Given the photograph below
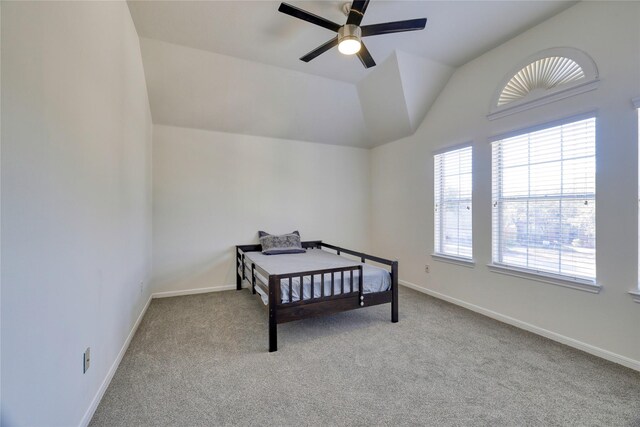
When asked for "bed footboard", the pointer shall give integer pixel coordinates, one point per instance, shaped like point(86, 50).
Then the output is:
point(346, 295)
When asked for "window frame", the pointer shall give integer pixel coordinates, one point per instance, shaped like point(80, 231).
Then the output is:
point(589, 285)
point(635, 293)
point(437, 254)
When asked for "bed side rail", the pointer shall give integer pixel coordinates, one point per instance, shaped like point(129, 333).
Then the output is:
point(362, 255)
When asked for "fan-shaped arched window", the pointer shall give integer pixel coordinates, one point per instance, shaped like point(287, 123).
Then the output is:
point(542, 78)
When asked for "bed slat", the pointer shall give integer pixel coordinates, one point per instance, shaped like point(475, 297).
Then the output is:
point(301, 289)
point(253, 278)
point(332, 283)
point(351, 281)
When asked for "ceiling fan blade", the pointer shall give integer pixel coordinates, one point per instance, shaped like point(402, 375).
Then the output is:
point(365, 57)
point(320, 49)
point(394, 27)
point(358, 8)
point(309, 17)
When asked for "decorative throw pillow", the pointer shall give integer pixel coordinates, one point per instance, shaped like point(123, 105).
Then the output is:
point(284, 244)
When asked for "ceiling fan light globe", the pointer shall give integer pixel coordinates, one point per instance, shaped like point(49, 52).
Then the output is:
point(349, 39)
point(349, 46)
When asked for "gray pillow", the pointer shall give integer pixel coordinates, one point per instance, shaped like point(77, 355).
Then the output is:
point(284, 244)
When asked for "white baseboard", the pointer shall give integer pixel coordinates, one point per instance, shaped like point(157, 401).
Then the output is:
point(114, 367)
point(193, 291)
point(596, 351)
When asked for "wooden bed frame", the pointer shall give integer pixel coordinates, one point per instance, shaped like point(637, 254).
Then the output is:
point(349, 299)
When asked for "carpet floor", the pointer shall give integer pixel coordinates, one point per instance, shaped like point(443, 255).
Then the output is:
point(202, 360)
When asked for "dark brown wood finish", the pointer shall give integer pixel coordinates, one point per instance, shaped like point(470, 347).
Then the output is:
point(362, 255)
point(312, 306)
point(321, 308)
point(274, 294)
point(238, 264)
point(394, 291)
point(377, 298)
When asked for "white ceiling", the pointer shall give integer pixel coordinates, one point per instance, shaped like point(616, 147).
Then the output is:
point(250, 38)
point(456, 31)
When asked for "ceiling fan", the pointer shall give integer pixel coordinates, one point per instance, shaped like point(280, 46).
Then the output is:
point(350, 34)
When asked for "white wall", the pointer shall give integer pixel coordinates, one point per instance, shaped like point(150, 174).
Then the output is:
point(212, 191)
point(402, 183)
point(76, 212)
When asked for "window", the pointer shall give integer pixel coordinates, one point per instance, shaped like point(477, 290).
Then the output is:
point(544, 77)
point(543, 74)
point(452, 181)
point(544, 201)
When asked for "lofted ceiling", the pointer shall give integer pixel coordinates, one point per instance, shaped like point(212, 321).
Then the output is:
point(233, 66)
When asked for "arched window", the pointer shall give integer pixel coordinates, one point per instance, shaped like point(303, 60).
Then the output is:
point(542, 78)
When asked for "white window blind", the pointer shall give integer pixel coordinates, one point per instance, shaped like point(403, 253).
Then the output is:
point(544, 200)
point(452, 192)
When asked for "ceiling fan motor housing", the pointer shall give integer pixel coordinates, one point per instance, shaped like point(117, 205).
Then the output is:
point(349, 31)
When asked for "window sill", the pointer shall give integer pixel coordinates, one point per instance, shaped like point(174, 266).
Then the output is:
point(635, 295)
point(579, 284)
point(465, 262)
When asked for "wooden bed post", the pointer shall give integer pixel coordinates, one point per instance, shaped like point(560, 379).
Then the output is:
point(238, 278)
point(273, 320)
point(253, 278)
point(394, 292)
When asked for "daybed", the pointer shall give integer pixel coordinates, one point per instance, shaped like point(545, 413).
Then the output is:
point(315, 283)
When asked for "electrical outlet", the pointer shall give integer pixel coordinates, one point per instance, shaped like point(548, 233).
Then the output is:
point(427, 269)
point(86, 360)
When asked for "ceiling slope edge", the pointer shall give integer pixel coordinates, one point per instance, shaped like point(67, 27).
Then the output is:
point(422, 81)
point(383, 103)
point(397, 95)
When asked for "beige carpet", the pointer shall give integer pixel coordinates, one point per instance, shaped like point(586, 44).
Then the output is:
point(202, 360)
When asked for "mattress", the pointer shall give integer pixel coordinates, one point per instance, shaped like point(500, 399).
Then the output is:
point(375, 279)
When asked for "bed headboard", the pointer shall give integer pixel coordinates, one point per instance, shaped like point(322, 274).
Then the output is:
point(257, 247)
